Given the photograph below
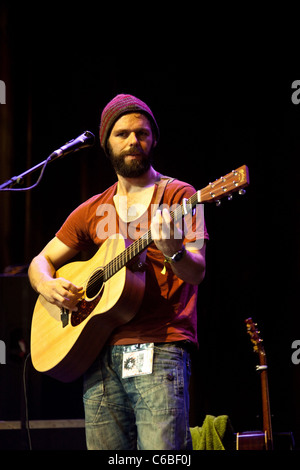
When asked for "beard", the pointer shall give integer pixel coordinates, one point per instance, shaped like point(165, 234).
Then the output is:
point(133, 168)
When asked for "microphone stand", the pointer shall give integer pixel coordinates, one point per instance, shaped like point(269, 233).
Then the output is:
point(18, 179)
point(85, 140)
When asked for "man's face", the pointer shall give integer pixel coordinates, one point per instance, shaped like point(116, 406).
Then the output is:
point(130, 145)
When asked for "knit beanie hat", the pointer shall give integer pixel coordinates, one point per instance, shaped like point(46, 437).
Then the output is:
point(118, 106)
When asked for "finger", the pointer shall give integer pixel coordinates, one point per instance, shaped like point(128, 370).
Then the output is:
point(69, 286)
point(61, 302)
point(65, 302)
point(155, 225)
point(59, 299)
point(175, 230)
point(165, 231)
point(63, 291)
point(166, 215)
point(166, 225)
point(74, 289)
point(62, 295)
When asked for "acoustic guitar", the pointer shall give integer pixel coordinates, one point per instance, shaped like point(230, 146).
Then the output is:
point(259, 440)
point(64, 343)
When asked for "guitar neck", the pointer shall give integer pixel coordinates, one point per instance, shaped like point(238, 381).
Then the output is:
point(234, 181)
point(267, 423)
point(262, 369)
point(139, 245)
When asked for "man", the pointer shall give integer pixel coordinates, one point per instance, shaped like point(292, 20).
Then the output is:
point(136, 391)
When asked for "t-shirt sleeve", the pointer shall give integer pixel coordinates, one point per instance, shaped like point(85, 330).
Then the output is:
point(73, 232)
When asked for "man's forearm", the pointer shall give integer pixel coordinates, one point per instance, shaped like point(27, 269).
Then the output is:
point(40, 270)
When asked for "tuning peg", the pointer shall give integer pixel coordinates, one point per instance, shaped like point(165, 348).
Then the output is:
point(242, 192)
point(218, 202)
point(230, 197)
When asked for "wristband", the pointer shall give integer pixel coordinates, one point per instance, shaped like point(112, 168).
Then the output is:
point(173, 259)
point(176, 257)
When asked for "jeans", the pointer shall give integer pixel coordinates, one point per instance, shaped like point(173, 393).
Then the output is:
point(146, 412)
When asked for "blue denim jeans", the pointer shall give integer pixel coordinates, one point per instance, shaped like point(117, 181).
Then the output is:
point(146, 412)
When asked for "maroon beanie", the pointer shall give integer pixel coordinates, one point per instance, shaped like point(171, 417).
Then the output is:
point(118, 106)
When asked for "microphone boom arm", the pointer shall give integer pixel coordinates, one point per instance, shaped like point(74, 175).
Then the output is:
point(85, 140)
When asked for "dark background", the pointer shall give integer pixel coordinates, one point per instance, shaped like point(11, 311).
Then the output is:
point(220, 103)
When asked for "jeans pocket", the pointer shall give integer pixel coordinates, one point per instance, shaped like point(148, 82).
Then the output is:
point(93, 393)
point(165, 389)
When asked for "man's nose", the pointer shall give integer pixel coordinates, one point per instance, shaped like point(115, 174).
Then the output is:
point(132, 139)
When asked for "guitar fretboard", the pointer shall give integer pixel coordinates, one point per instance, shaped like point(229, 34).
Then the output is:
point(224, 186)
point(139, 245)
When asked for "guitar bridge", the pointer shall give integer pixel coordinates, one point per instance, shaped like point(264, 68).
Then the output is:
point(64, 317)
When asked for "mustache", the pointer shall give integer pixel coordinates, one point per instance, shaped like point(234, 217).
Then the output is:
point(133, 151)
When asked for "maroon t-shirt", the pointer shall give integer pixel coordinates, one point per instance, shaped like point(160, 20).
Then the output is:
point(168, 311)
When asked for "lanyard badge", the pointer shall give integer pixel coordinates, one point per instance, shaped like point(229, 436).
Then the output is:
point(137, 360)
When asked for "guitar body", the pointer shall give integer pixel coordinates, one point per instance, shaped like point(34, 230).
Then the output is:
point(252, 440)
point(64, 344)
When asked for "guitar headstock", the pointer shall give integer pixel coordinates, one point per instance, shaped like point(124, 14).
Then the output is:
point(234, 181)
point(254, 335)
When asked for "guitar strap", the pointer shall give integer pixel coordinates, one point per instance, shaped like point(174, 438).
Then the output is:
point(161, 186)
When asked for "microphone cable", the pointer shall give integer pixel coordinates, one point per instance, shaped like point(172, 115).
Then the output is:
point(25, 422)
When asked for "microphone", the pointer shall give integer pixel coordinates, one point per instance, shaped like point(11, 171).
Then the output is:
point(87, 139)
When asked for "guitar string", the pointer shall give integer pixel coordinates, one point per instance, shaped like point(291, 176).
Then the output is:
point(130, 252)
point(134, 248)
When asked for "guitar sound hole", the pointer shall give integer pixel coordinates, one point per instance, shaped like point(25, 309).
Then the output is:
point(94, 285)
point(94, 292)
